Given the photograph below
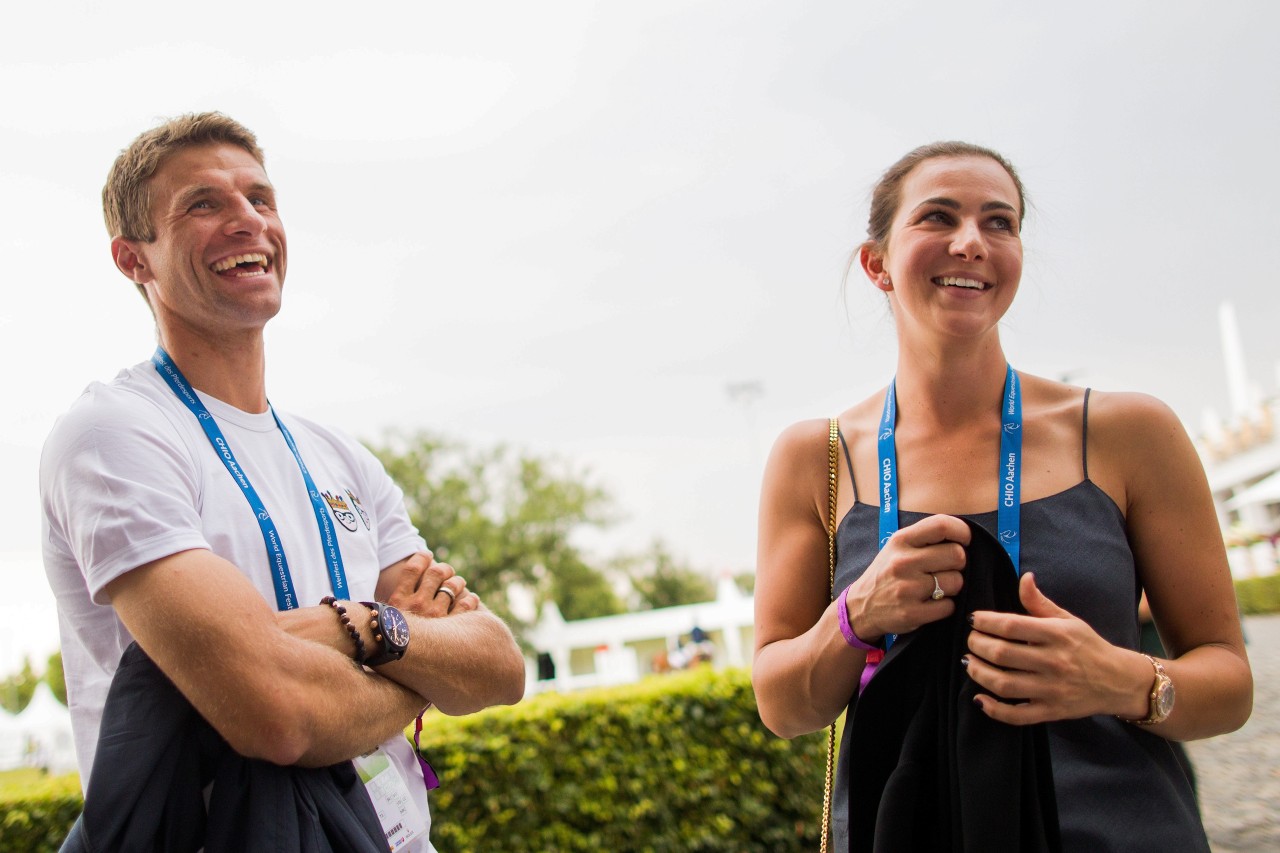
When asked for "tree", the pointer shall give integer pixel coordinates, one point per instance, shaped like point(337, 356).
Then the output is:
point(659, 580)
point(16, 690)
point(496, 516)
point(581, 592)
point(56, 679)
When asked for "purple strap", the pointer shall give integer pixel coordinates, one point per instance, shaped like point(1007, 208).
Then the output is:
point(874, 653)
point(842, 610)
point(429, 777)
point(868, 671)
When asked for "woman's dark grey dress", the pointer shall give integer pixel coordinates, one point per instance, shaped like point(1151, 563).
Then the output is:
point(1119, 787)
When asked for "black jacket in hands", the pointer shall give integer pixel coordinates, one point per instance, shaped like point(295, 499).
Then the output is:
point(928, 770)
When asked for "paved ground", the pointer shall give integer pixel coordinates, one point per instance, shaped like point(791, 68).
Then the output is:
point(1239, 773)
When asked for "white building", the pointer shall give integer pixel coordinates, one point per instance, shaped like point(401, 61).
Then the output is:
point(1241, 455)
point(623, 648)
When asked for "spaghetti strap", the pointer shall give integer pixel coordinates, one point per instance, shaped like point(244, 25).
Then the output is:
point(848, 463)
point(1084, 435)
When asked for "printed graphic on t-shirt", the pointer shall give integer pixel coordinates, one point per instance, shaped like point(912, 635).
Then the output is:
point(355, 502)
point(341, 511)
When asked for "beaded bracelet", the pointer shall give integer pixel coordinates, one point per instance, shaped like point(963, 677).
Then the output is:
point(842, 611)
point(346, 623)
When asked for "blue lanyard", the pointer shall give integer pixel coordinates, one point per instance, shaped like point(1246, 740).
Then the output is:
point(1009, 509)
point(280, 577)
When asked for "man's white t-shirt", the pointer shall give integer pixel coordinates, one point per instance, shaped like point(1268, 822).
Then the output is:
point(128, 476)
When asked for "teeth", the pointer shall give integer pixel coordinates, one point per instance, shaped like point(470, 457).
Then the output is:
point(952, 281)
point(227, 263)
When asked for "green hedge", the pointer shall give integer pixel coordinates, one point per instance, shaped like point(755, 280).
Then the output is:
point(36, 810)
point(1259, 595)
point(674, 763)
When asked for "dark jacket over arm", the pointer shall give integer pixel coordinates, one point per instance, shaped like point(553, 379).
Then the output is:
point(156, 756)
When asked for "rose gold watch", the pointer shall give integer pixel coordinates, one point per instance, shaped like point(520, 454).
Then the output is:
point(1161, 699)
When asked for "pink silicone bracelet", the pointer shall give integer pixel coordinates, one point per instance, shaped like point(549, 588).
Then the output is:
point(842, 610)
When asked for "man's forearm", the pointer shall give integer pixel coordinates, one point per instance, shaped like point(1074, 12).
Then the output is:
point(370, 709)
point(359, 708)
point(253, 674)
point(460, 656)
point(461, 663)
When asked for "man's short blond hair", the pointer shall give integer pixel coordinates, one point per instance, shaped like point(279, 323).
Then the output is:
point(126, 198)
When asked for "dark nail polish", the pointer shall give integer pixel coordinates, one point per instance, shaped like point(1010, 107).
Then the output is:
point(977, 701)
point(969, 619)
point(964, 661)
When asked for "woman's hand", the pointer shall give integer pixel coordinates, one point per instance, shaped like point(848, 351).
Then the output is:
point(895, 594)
point(1053, 661)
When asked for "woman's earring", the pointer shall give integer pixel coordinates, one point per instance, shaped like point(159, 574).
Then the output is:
point(885, 283)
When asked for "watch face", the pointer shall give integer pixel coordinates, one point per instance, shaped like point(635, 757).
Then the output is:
point(1164, 698)
point(394, 627)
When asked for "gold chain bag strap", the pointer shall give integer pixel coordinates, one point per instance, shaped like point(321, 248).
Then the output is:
point(833, 486)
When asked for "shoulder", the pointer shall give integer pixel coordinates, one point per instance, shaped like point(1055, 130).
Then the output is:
point(803, 438)
point(800, 447)
point(796, 476)
point(801, 451)
point(120, 480)
point(1133, 419)
point(113, 414)
point(1112, 415)
point(1140, 452)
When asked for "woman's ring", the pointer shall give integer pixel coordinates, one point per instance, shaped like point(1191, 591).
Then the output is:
point(938, 594)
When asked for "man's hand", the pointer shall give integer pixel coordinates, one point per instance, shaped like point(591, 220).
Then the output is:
point(459, 664)
point(419, 585)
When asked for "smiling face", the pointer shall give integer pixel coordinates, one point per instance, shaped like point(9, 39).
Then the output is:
point(953, 258)
point(216, 266)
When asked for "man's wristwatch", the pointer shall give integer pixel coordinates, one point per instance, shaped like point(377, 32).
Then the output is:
point(390, 632)
point(1162, 694)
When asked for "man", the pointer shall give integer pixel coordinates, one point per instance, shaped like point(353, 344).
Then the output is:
point(183, 512)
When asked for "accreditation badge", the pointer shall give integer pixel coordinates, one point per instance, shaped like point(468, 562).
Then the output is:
point(401, 821)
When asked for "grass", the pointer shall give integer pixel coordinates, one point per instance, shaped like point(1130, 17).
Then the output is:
point(26, 781)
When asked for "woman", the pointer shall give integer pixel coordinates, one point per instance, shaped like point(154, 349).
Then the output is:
point(1113, 500)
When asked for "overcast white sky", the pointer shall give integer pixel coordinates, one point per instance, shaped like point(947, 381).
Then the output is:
point(569, 226)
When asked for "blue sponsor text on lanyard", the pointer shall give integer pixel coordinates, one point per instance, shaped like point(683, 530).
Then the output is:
point(286, 598)
point(1009, 508)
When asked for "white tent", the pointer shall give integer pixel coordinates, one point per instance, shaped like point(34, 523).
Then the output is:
point(40, 736)
point(1265, 491)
